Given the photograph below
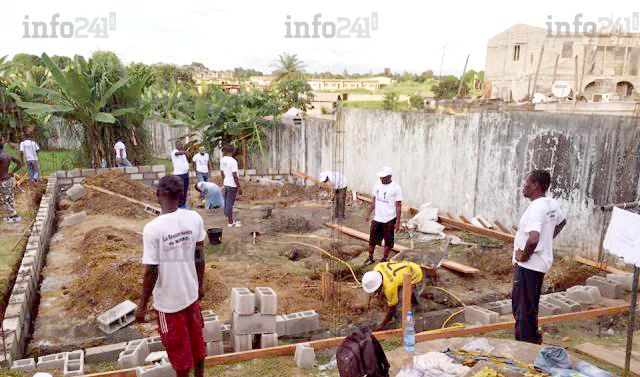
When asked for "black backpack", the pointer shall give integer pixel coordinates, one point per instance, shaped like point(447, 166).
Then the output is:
point(361, 355)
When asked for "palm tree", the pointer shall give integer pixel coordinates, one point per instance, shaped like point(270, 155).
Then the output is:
point(88, 94)
point(288, 67)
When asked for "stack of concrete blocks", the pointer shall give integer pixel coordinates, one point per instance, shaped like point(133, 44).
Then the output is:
point(475, 314)
point(608, 288)
point(74, 363)
point(584, 294)
point(134, 354)
point(117, 317)
point(53, 361)
point(246, 322)
point(109, 352)
point(155, 344)
point(161, 369)
point(299, 323)
point(561, 300)
point(304, 356)
point(24, 365)
point(17, 316)
point(500, 307)
point(626, 280)
point(148, 175)
point(212, 333)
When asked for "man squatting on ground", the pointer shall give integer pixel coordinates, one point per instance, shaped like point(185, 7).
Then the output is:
point(7, 183)
point(387, 207)
point(229, 172)
point(212, 193)
point(387, 278)
point(338, 183)
point(533, 253)
point(173, 256)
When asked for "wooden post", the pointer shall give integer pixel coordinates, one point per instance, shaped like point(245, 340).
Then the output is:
point(555, 69)
point(575, 82)
point(327, 287)
point(245, 158)
point(406, 298)
point(535, 78)
point(462, 78)
point(584, 64)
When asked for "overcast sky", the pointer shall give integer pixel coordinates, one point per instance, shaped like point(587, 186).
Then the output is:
point(223, 35)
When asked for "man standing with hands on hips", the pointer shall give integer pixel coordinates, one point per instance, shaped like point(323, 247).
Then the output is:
point(533, 253)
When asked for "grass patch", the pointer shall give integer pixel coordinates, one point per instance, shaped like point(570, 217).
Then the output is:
point(50, 161)
point(157, 161)
point(264, 367)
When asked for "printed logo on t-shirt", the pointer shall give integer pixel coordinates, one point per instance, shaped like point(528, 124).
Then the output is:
point(178, 242)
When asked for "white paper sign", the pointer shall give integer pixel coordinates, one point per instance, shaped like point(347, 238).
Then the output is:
point(623, 236)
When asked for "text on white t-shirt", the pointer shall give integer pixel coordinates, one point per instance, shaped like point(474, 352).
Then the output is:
point(386, 197)
point(229, 165)
point(202, 162)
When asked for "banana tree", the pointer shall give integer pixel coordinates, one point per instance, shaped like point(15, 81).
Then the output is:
point(86, 97)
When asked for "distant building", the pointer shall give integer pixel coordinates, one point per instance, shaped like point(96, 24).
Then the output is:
point(608, 64)
point(326, 101)
point(369, 83)
point(261, 82)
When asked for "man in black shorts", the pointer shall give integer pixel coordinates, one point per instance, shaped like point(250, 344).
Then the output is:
point(386, 206)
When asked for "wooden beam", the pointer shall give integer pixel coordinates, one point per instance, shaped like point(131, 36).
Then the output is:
point(484, 224)
point(148, 207)
point(464, 219)
point(399, 248)
point(289, 349)
point(502, 227)
point(599, 265)
point(609, 356)
point(506, 237)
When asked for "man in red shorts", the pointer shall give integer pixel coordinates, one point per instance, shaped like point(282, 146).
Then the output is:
point(174, 260)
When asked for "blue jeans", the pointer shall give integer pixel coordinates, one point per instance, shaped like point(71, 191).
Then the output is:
point(123, 162)
point(202, 177)
point(34, 170)
point(185, 190)
point(214, 199)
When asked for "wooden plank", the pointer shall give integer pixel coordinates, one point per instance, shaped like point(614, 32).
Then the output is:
point(599, 265)
point(484, 224)
point(464, 219)
point(289, 349)
point(609, 356)
point(502, 227)
point(506, 237)
point(147, 206)
point(399, 248)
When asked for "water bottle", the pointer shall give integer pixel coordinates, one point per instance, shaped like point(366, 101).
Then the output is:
point(409, 333)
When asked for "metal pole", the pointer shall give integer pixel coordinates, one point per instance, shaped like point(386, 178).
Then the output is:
point(441, 61)
point(632, 320)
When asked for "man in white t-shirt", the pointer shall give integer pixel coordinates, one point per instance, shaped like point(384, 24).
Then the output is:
point(29, 149)
point(121, 153)
point(533, 254)
point(201, 163)
point(173, 256)
point(181, 169)
point(229, 172)
point(387, 207)
point(212, 192)
point(338, 183)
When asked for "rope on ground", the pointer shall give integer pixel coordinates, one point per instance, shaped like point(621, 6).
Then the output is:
point(324, 251)
point(464, 307)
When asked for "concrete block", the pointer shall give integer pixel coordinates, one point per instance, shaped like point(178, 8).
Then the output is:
point(118, 170)
point(65, 181)
point(15, 310)
point(252, 172)
point(207, 314)
point(73, 219)
point(253, 323)
point(301, 323)
point(215, 348)
point(226, 332)
point(266, 300)
point(54, 361)
point(500, 307)
point(626, 280)
point(131, 170)
point(608, 288)
point(102, 170)
point(150, 176)
point(162, 175)
point(158, 168)
point(61, 174)
point(74, 173)
point(109, 352)
point(212, 331)
point(78, 180)
point(6, 360)
point(117, 317)
point(144, 169)
point(584, 294)
point(546, 309)
point(281, 325)
point(565, 304)
point(136, 177)
point(76, 192)
point(134, 354)
point(242, 342)
point(13, 324)
point(162, 369)
point(474, 314)
point(74, 363)
point(24, 365)
point(242, 301)
point(88, 172)
point(268, 340)
point(304, 356)
point(155, 344)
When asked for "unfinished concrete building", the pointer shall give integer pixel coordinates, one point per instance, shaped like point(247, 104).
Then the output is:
point(602, 66)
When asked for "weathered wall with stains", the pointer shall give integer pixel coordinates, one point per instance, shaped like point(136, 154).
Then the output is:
point(475, 164)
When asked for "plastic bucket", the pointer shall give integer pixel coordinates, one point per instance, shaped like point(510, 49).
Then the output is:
point(214, 235)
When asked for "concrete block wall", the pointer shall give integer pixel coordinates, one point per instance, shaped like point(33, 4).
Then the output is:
point(147, 174)
point(17, 315)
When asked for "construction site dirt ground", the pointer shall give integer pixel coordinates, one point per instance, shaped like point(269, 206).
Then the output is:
point(96, 264)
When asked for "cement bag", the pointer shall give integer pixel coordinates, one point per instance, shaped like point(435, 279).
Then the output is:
point(426, 221)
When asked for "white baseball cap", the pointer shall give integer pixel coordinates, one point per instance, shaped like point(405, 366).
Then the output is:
point(384, 172)
point(323, 176)
point(371, 281)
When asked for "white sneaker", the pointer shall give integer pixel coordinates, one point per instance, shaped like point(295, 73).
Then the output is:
point(235, 224)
